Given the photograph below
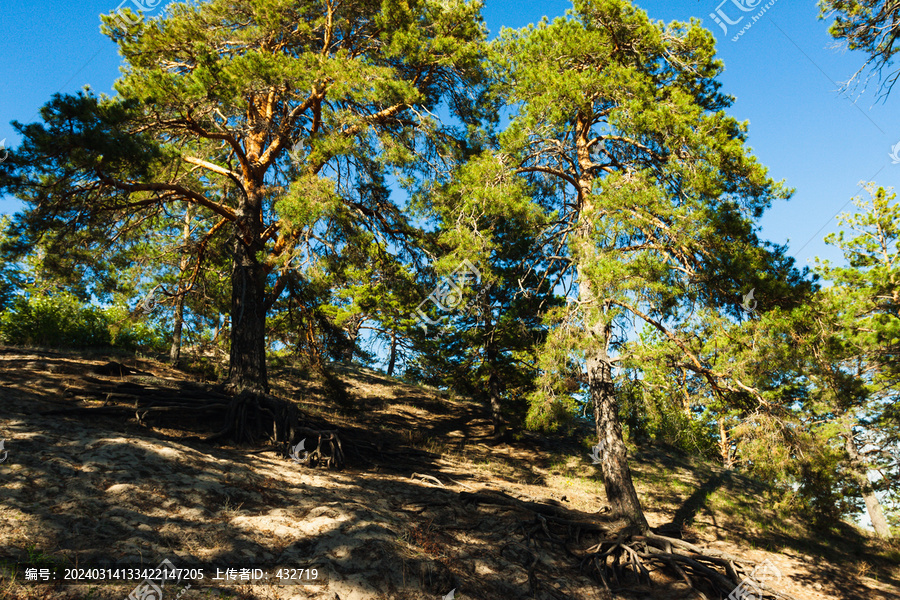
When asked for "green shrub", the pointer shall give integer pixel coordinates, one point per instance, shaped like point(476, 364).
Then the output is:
point(63, 321)
point(128, 334)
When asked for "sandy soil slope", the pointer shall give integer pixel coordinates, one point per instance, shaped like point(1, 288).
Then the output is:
point(434, 506)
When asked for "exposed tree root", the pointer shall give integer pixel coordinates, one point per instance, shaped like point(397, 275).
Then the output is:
point(328, 452)
point(247, 418)
point(712, 574)
point(619, 556)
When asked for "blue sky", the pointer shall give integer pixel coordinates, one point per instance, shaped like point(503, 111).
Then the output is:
point(784, 72)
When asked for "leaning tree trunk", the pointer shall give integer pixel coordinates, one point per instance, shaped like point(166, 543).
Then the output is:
point(873, 505)
point(248, 303)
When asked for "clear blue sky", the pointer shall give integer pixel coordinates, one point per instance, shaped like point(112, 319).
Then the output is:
point(784, 72)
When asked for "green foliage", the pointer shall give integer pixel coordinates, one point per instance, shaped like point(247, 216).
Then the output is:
point(870, 26)
point(558, 386)
point(614, 223)
point(62, 321)
point(10, 272)
point(648, 192)
point(57, 321)
point(653, 416)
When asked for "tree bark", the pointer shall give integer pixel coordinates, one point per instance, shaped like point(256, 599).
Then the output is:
point(393, 359)
point(247, 369)
point(183, 263)
point(620, 492)
point(725, 445)
point(494, 389)
point(353, 325)
point(873, 505)
point(178, 325)
point(496, 412)
point(490, 360)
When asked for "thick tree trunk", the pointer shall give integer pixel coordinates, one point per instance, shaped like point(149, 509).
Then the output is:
point(873, 505)
point(620, 493)
point(248, 303)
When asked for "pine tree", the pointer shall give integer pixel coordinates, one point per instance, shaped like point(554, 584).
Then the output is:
point(856, 348)
point(297, 105)
point(872, 26)
point(654, 193)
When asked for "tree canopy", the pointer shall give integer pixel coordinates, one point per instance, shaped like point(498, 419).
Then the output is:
point(872, 26)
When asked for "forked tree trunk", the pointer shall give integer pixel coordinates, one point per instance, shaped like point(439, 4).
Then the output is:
point(247, 370)
point(873, 505)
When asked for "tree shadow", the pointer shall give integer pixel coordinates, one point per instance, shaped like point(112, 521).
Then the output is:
point(90, 490)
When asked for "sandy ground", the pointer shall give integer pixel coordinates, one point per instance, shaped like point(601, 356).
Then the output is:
point(78, 491)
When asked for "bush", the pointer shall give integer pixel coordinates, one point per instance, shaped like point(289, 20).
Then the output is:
point(63, 321)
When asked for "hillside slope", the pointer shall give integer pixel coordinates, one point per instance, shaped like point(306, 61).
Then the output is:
point(427, 504)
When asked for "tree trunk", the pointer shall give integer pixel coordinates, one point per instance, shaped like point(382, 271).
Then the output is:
point(490, 360)
point(247, 369)
point(183, 263)
point(620, 492)
point(353, 325)
point(494, 389)
point(873, 505)
point(178, 325)
point(393, 359)
point(725, 445)
point(496, 413)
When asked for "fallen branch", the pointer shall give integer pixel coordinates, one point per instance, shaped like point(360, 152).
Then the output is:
point(431, 478)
